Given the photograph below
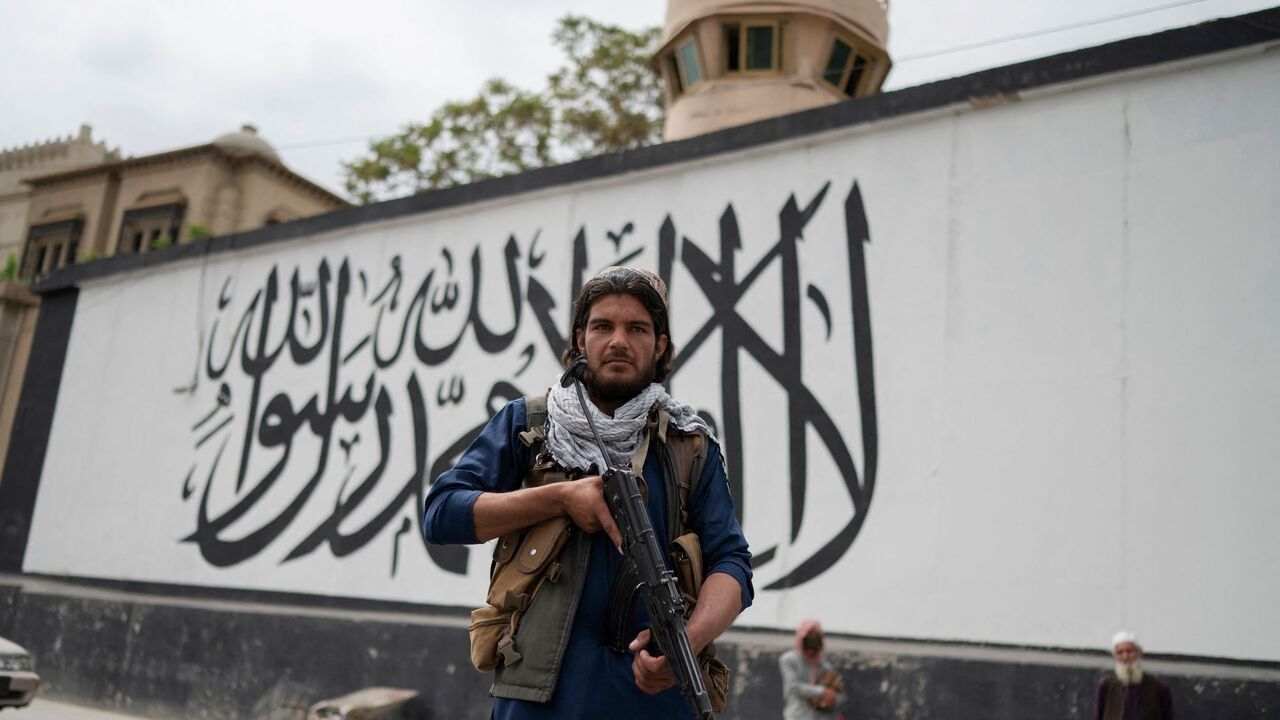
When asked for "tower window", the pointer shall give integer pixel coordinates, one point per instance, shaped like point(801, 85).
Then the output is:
point(759, 47)
point(690, 68)
point(845, 67)
point(836, 64)
point(733, 47)
point(752, 47)
point(673, 72)
point(859, 68)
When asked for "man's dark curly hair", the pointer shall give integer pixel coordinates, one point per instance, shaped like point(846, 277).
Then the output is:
point(641, 284)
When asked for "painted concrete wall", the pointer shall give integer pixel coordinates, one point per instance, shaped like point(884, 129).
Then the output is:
point(1065, 425)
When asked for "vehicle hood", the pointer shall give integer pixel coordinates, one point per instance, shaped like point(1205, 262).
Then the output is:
point(8, 647)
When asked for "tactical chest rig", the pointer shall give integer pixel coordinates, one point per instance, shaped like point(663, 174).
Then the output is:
point(537, 574)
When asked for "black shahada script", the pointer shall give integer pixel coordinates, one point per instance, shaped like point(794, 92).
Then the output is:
point(328, 380)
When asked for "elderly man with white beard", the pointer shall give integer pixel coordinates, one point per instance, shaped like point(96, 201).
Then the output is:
point(1129, 693)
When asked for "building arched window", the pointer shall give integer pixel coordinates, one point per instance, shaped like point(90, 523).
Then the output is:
point(153, 222)
point(51, 245)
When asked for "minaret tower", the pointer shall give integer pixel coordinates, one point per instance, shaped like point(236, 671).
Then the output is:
point(731, 62)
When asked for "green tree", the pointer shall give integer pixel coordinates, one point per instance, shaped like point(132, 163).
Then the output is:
point(603, 99)
point(607, 97)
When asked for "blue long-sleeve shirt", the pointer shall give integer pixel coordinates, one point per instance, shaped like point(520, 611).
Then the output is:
point(594, 680)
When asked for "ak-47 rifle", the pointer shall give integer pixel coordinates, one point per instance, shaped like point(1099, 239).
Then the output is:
point(640, 547)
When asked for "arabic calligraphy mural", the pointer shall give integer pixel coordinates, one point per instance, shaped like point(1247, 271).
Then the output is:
point(331, 370)
point(262, 414)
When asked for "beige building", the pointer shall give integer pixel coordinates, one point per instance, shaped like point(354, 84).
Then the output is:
point(135, 205)
point(72, 200)
point(20, 163)
point(731, 62)
point(17, 305)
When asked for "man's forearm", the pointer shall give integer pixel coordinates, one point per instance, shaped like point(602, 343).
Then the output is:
point(498, 513)
point(719, 603)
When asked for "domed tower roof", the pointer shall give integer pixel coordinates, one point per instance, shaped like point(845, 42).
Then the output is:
point(246, 141)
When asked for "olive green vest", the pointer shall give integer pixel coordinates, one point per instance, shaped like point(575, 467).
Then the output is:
point(543, 634)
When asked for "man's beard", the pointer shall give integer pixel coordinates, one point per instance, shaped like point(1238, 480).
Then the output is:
point(617, 390)
point(1129, 673)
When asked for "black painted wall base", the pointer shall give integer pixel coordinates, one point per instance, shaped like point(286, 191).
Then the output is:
point(163, 657)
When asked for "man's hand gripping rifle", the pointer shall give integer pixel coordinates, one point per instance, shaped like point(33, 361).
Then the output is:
point(656, 582)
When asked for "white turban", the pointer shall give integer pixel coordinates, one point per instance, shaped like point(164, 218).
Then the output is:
point(1122, 637)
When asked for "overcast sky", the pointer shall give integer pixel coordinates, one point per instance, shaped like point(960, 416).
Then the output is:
point(319, 77)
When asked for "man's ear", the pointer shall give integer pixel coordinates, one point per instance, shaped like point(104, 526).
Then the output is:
point(577, 338)
point(660, 347)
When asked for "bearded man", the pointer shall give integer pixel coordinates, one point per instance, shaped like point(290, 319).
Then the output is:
point(1129, 693)
point(573, 643)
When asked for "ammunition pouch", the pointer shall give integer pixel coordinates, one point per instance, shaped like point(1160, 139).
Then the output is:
point(686, 562)
point(522, 562)
point(715, 675)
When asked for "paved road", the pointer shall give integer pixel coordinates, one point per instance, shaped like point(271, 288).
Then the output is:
point(43, 709)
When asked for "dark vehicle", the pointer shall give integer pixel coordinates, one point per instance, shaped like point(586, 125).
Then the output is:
point(18, 680)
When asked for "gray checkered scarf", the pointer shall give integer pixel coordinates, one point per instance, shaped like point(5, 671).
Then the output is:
point(569, 436)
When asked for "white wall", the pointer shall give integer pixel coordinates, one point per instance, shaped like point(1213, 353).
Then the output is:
point(1075, 312)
